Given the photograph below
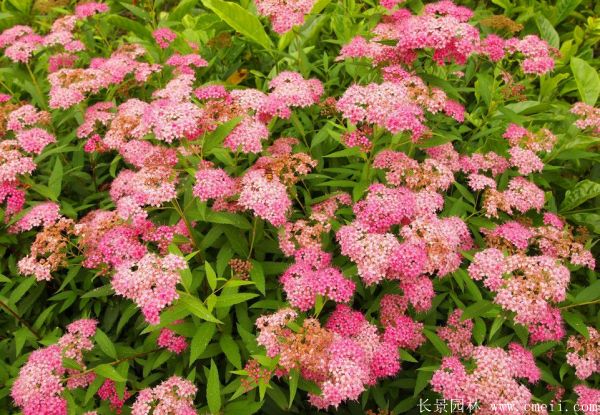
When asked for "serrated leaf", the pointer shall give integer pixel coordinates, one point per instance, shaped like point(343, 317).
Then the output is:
point(109, 372)
point(580, 193)
point(438, 343)
point(241, 20)
point(257, 275)
point(213, 389)
point(105, 344)
point(211, 275)
point(200, 340)
point(55, 180)
point(576, 322)
point(547, 31)
point(231, 350)
point(227, 300)
point(195, 306)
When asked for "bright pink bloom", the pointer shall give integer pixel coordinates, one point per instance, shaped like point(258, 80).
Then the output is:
point(268, 199)
point(164, 36)
point(171, 341)
point(173, 396)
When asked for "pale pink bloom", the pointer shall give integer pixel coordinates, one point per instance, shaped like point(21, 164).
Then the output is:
point(173, 396)
point(267, 198)
point(44, 214)
point(164, 36)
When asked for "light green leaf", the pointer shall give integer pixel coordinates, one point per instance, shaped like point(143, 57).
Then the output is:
point(195, 306)
point(227, 300)
point(580, 193)
point(589, 293)
point(200, 340)
point(213, 389)
point(587, 80)
point(231, 350)
point(55, 180)
point(241, 20)
point(257, 275)
point(547, 31)
point(211, 275)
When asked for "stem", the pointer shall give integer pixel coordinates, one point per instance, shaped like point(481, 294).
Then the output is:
point(114, 363)
point(579, 304)
point(37, 86)
point(253, 237)
point(188, 225)
point(23, 322)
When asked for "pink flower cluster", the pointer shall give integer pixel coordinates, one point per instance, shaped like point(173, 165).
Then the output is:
point(173, 396)
point(492, 381)
point(44, 214)
point(164, 37)
point(268, 199)
point(284, 14)
point(343, 357)
point(443, 28)
point(171, 341)
point(525, 285)
point(150, 282)
point(108, 392)
point(39, 387)
point(312, 275)
point(589, 399)
point(398, 104)
point(589, 117)
point(584, 354)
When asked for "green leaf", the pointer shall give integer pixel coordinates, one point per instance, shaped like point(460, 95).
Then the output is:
point(109, 372)
point(227, 300)
point(211, 275)
point(580, 193)
point(105, 344)
point(547, 31)
point(200, 340)
point(229, 219)
point(241, 20)
point(590, 293)
point(130, 25)
point(231, 350)
point(587, 80)
point(576, 322)
point(181, 10)
point(55, 180)
point(195, 306)
point(215, 138)
point(103, 291)
point(563, 9)
point(257, 275)
point(213, 389)
point(477, 309)
point(438, 343)
point(294, 376)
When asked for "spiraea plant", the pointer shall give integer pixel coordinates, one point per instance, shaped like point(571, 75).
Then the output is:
point(237, 207)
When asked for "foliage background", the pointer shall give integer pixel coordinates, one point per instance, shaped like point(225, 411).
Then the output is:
point(248, 58)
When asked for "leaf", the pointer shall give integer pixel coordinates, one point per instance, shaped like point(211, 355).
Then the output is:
point(547, 31)
point(587, 80)
point(227, 300)
point(477, 309)
point(241, 20)
point(109, 372)
point(181, 10)
point(215, 138)
point(231, 350)
point(580, 193)
point(589, 293)
point(211, 275)
point(228, 219)
point(257, 275)
point(213, 389)
point(576, 322)
point(55, 180)
point(103, 291)
point(294, 376)
point(105, 344)
point(195, 306)
point(200, 340)
point(563, 9)
point(438, 343)
point(129, 25)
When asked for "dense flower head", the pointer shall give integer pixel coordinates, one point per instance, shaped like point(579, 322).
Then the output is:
point(164, 36)
point(588, 399)
point(521, 195)
point(284, 14)
point(171, 341)
point(108, 392)
point(213, 183)
point(267, 198)
point(589, 117)
point(13, 196)
point(584, 354)
point(457, 334)
point(89, 9)
point(384, 207)
point(150, 282)
point(301, 234)
point(294, 90)
point(312, 275)
point(493, 380)
point(173, 396)
point(343, 357)
point(44, 214)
